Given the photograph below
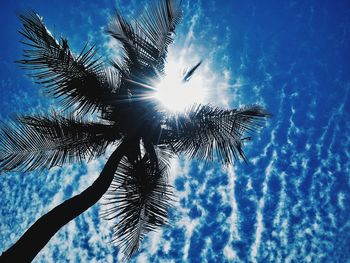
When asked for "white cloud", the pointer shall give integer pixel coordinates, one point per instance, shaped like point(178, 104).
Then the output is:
point(261, 204)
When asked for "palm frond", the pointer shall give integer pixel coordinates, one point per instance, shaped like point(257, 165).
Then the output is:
point(145, 42)
point(137, 201)
point(206, 131)
point(34, 142)
point(123, 31)
point(76, 80)
point(158, 23)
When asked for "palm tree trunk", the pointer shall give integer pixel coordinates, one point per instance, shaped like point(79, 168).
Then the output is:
point(39, 234)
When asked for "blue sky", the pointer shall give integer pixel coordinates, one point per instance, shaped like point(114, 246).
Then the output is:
point(291, 203)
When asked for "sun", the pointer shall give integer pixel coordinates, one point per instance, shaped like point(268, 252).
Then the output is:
point(177, 95)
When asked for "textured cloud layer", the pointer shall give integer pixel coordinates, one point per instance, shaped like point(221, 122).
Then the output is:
point(291, 203)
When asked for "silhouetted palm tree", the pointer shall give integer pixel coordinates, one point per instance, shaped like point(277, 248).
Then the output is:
point(143, 135)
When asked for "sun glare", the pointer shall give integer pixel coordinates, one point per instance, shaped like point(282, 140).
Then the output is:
point(176, 95)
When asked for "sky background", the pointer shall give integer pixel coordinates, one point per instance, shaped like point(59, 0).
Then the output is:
point(290, 204)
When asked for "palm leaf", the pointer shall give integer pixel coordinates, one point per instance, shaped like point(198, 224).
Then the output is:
point(206, 131)
point(137, 201)
point(145, 43)
point(158, 23)
point(30, 143)
point(76, 80)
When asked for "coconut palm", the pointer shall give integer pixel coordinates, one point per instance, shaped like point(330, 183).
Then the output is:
point(126, 118)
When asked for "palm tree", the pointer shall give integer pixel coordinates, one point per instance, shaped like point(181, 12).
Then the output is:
point(143, 135)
